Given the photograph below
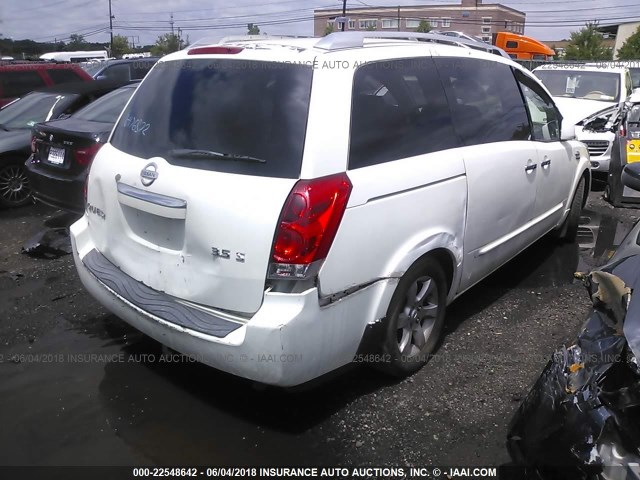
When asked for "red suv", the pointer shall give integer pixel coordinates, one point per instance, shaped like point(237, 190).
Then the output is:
point(16, 79)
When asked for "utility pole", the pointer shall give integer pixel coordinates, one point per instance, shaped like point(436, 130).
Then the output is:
point(171, 22)
point(398, 17)
point(110, 29)
point(344, 12)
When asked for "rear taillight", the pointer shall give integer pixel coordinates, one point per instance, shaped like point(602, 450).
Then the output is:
point(33, 144)
point(307, 225)
point(84, 155)
point(623, 132)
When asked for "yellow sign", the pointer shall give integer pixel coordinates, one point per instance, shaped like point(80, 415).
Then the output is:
point(633, 151)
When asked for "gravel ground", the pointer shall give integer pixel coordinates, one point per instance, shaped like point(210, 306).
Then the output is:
point(455, 411)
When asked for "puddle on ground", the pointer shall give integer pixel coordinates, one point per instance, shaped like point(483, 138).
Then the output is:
point(598, 238)
point(108, 395)
point(548, 263)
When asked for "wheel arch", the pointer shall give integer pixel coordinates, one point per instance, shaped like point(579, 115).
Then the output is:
point(446, 260)
point(443, 245)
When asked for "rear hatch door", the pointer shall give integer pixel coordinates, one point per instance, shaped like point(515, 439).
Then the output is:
point(192, 183)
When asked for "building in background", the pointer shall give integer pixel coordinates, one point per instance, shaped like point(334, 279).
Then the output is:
point(471, 17)
point(620, 31)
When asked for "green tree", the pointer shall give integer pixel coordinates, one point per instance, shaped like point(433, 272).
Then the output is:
point(76, 42)
point(120, 46)
point(423, 27)
point(253, 29)
point(587, 44)
point(167, 43)
point(630, 49)
point(328, 30)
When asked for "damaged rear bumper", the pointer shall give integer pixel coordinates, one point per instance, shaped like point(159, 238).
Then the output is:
point(290, 340)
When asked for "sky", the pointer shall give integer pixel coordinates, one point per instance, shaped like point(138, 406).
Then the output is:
point(144, 20)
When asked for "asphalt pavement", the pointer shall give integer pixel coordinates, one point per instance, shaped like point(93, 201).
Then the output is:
point(80, 387)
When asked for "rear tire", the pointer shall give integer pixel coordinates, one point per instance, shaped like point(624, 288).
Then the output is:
point(414, 319)
point(569, 229)
point(14, 184)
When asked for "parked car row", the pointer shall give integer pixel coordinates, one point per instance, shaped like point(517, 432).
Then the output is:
point(18, 79)
point(62, 151)
point(17, 121)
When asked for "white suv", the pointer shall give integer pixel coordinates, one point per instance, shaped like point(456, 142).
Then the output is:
point(583, 90)
point(271, 207)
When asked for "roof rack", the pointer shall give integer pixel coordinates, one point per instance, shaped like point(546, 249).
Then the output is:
point(216, 40)
point(343, 40)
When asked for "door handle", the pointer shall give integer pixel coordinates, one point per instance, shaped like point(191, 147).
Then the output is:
point(546, 163)
point(530, 168)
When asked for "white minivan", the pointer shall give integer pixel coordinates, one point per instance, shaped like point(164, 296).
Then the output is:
point(280, 208)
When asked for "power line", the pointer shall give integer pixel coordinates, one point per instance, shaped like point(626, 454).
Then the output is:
point(276, 21)
point(111, 17)
point(30, 18)
point(284, 17)
point(84, 32)
point(232, 7)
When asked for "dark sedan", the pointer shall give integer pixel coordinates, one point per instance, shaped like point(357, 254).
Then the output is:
point(63, 150)
point(18, 118)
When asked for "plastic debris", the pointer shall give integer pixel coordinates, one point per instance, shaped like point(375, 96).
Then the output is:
point(582, 416)
point(48, 243)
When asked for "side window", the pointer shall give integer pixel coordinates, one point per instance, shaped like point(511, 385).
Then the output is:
point(545, 118)
point(17, 83)
point(140, 68)
point(63, 75)
point(117, 72)
point(398, 110)
point(485, 100)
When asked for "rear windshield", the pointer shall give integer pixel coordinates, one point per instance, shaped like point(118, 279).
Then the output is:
point(602, 86)
point(231, 116)
point(107, 108)
point(34, 108)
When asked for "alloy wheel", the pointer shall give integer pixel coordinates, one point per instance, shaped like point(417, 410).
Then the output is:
point(14, 185)
point(418, 316)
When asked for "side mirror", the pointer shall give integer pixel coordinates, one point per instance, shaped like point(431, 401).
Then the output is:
point(101, 77)
point(631, 176)
point(567, 131)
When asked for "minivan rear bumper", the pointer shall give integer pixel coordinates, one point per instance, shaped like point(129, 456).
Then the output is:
point(290, 340)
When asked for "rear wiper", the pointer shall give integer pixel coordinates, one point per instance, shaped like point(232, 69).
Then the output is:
point(3, 127)
point(198, 154)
